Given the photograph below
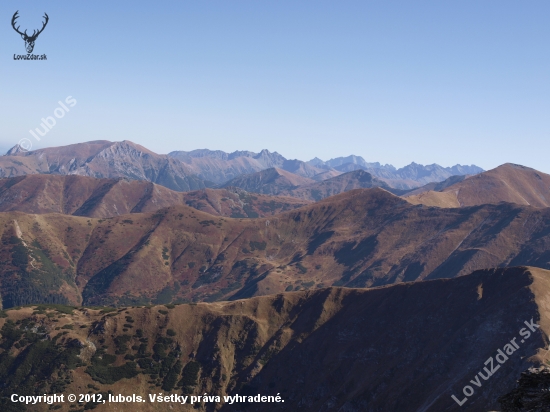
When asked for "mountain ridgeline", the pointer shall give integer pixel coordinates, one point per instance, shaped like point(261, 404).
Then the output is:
point(362, 238)
point(102, 198)
point(507, 183)
point(338, 286)
point(185, 171)
point(407, 347)
point(102, 159)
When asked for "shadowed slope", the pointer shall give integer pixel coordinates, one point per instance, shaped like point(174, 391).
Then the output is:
point(406, 347)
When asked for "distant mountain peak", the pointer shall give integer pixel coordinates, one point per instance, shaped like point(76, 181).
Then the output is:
point(128, 159)
point(316, 162)
point(103, 159)
point(506, 183)
point(15, 150)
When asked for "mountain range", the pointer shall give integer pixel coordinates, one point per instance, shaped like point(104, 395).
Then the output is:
point(407, 347)
point(101, 198)
point(185, 171)
point(242, 197)
point(407, 177)
point(102, 159)
point(280, 183)
point(221, 167)
point(362, 238)
point(507, 183)
point(330, 285)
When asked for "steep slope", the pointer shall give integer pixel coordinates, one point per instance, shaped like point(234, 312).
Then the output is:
point(272, 181)
point(530, 394)
point(361, 238)
point(103, 159)
point(507, 183)
point(83, 196)
point(437, 186)
point(353, 160)
point(408, 347)
point(102, 198)
point(218, 169)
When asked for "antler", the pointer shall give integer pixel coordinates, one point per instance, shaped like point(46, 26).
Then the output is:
point(43, 25)
point(13, 19)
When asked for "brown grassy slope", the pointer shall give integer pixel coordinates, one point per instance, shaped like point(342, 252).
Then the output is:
point(399, 348)
point(83, 196)
point(437, 186)
point(102, 198)
point(507, 183)
point(357, 239)
point(238, 203)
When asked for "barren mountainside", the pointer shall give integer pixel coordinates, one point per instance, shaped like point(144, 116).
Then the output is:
point(358, 179)
point(507, 183)
point(361, 238)
point(101, 198)
point(102, 159)
point(312, 281)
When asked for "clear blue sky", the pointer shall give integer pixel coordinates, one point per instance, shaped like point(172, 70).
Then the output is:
point(426, 81)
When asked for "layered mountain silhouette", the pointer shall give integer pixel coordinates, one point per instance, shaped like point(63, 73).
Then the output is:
point(242, 197)
point(278, 182)
point(507, 183)
point(408, 347)
point(271, 181)
point(405, 178)
point(221, 167)
point(339, 285)
point(362, 238)
point(102, 159)
point(101, 198)
point(187, 171)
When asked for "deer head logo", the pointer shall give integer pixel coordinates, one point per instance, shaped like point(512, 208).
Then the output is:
point(29, 40)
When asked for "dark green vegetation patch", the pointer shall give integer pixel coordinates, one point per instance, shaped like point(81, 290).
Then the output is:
point(102, 371)
point(38, 282)
point(42, 366)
